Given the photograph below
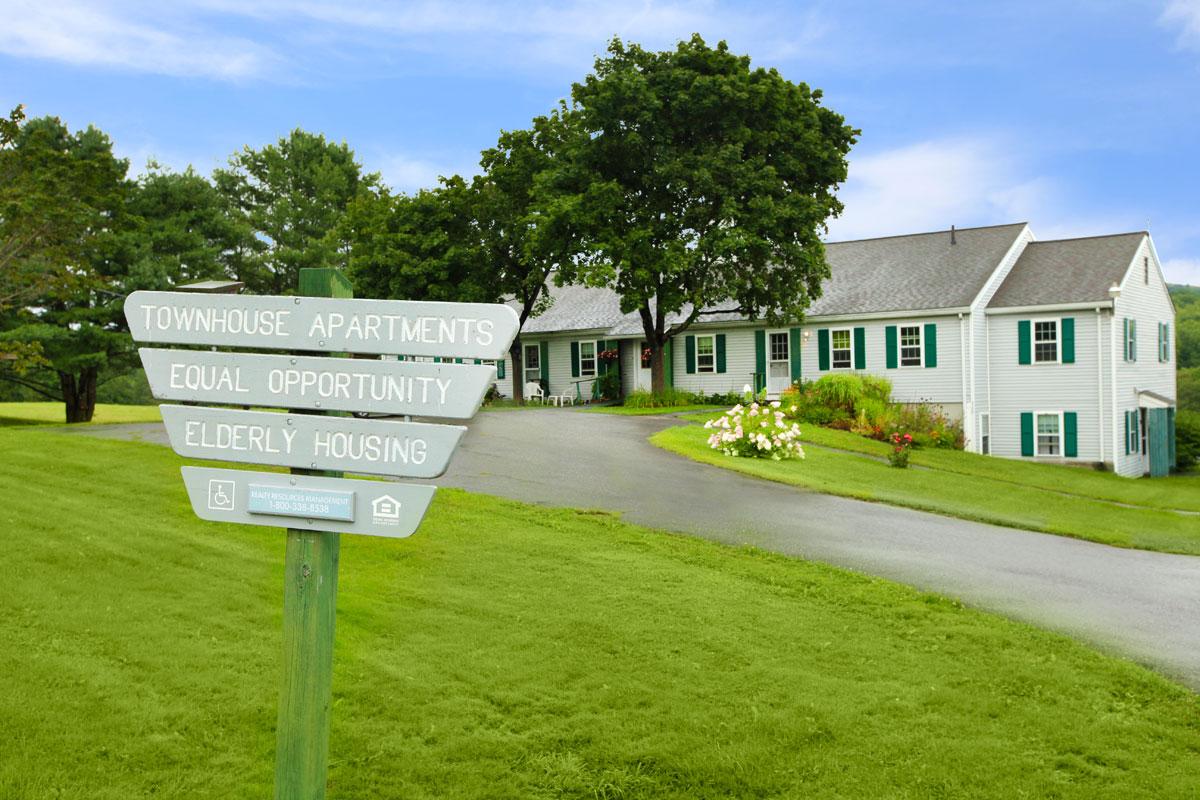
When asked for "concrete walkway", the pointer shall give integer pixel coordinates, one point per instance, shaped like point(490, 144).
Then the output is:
point(1142, 605)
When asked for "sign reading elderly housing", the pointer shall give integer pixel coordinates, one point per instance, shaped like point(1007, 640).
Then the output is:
point(372, 446)
point(320, 324)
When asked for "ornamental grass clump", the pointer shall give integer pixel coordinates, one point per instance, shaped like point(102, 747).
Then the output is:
point(755, 430)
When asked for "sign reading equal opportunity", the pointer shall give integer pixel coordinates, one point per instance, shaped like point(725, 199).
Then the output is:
point(320, 384)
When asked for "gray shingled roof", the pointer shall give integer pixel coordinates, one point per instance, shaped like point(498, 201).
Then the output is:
point(918, 271)
point(1068, 271)
point(894, 273)
point(577, 308)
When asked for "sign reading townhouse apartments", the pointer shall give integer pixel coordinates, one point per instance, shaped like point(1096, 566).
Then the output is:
point(298, 383)
point(320, 324)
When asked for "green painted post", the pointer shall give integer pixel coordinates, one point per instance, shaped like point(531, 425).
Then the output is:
point(309, 610)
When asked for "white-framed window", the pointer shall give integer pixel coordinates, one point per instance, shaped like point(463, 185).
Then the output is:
point(1131, 340)
point(533, 363)
point(706, 354)
point(1049, 433)
point(1045, 341)
point(587, 359)
point(985, 434)
point(910, 346)
point(840, 348)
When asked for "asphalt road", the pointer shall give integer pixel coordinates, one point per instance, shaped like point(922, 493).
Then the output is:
point(1141, 605)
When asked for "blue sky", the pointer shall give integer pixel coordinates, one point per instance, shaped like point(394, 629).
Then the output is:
point(1081, 117)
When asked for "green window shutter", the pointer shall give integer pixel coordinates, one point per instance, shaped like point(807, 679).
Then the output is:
point(689, 349)
point(720, 352)
point(1126, 433)
point(1024, 343)
point(1067, 324)
point(893, 347)
point(860, 348)
point(1027, 433)
point(1071, 434)
point(760, 359)
point(479, 361)
point(1133, 340)
point(601, 366)
point(823, 349)
point(545, 364)
point(574, 359)
point(500, 368)
point(1125, 337)
point(794, 340)
point(931, 344)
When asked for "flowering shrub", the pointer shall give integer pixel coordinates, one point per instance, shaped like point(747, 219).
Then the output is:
point(901, 444)
point(755, 430)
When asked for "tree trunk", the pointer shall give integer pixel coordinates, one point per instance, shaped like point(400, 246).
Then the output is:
point(658, 372)
point(518, 372)
point(79, 394)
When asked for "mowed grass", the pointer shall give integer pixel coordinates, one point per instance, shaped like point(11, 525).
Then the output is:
point(1070, 501)
point(510, 651)
point(633, 411)
point(54, 413)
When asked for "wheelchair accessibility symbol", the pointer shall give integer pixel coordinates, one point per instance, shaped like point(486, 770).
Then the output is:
point(220, 495)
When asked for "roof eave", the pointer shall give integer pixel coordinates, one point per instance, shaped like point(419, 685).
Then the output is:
point(1043, 307)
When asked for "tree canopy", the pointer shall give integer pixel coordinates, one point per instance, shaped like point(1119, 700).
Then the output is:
point(293, 196)
point(694, 181)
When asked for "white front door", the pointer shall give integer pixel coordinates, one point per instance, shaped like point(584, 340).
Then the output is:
point(642, 379)
point(779, 362)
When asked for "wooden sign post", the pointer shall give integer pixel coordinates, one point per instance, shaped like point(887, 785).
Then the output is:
point(310, 577)
point(314, 501)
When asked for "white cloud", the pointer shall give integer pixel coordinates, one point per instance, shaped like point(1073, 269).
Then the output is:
point(1182, 270)
point(532, 35)
point(119, 36)
point(408, 174)
point(933, 184)
point(1183, 15)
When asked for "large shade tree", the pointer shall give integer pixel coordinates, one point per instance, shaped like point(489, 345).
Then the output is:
point(696, 182)
point(293, 195)
point(69, 304)
point(508, 216)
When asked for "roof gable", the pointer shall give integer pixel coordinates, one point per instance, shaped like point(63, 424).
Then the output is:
point(1068, 271)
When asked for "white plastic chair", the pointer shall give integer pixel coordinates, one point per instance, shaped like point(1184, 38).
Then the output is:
point(534, 391)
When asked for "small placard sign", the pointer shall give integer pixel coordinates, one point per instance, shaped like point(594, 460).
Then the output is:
point(300, 502)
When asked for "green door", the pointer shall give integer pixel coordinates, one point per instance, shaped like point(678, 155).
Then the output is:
point(1158, 441)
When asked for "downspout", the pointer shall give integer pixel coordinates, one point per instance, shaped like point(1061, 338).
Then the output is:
point(1099, 384)
point(968, 419)
point(987, 369)
point(1114, 292)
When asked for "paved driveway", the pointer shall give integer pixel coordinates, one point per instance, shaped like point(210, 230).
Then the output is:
point(1142, 605)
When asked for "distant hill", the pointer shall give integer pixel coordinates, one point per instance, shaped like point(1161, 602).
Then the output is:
point(1187, 336)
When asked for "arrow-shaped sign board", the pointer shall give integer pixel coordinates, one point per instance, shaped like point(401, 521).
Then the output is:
point(322, 324)
point(304, 441)
point(373, 508)
point(314, 382)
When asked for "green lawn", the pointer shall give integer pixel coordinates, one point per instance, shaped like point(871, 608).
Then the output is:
point(631, 411)
point(1039, 497)
point(511, 651)
point(53, 413)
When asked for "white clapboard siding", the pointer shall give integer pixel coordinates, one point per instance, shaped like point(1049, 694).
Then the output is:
point(941, 385)
point(1017, 388)
point(975, 359)
point(1149, 304)
point(739, 362)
